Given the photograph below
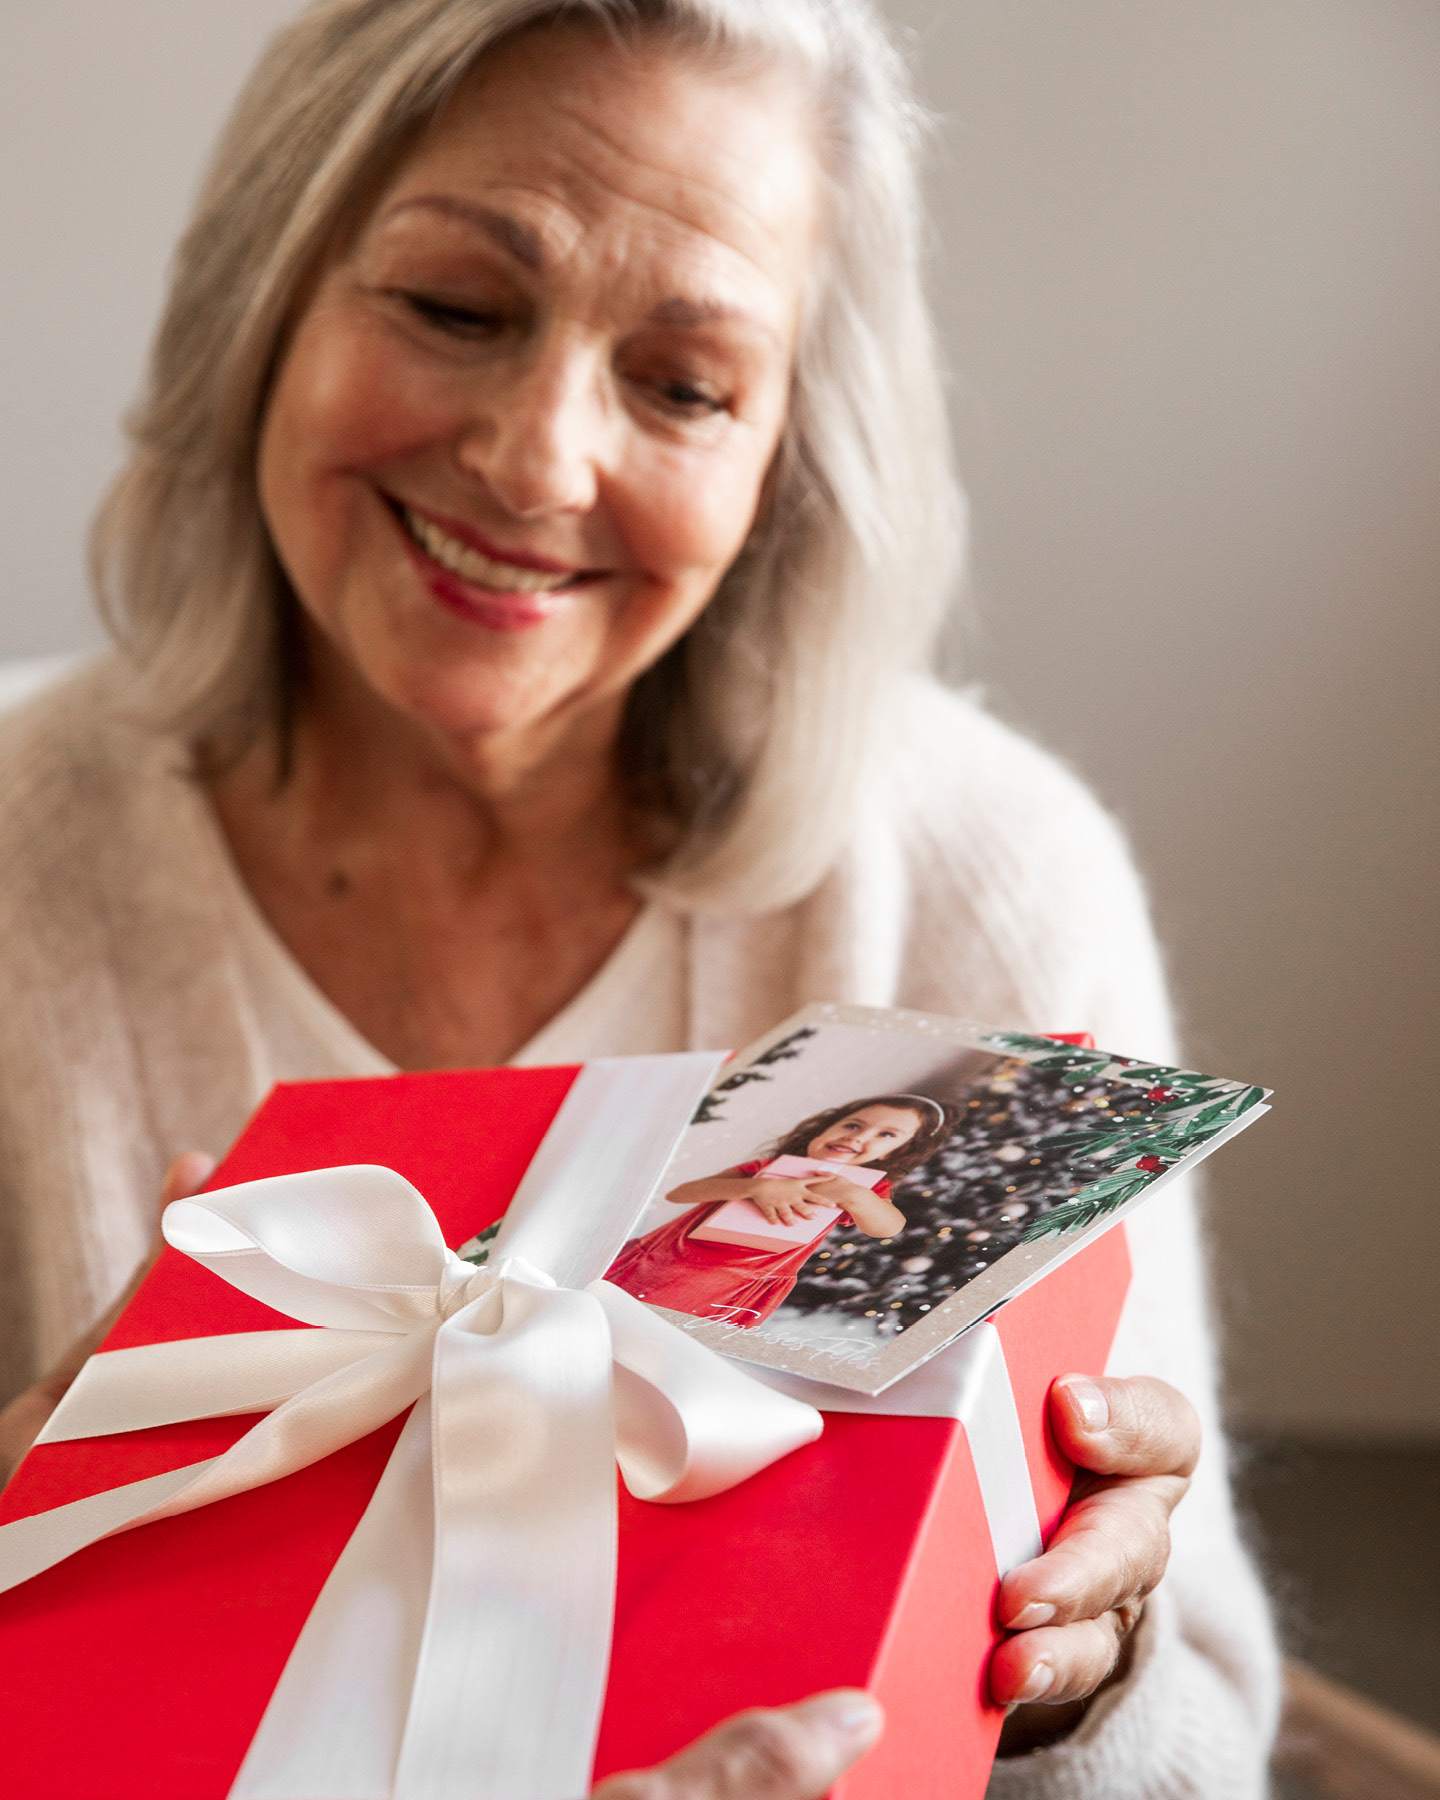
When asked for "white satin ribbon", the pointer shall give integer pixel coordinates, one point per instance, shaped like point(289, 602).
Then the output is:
point(460, 1646)
point(967, 1381)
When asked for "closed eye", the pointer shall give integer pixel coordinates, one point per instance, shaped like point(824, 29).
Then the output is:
point(452, 318)
point(685, 398)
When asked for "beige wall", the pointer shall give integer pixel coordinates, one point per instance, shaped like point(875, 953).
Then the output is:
point(1190, 282)
point(106, 109)
point(1191, 289)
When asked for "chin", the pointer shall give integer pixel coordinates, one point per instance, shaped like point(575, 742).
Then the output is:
point(462, 702)
point(449, 678)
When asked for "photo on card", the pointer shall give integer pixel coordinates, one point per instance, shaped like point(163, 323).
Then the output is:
point(863, 1185)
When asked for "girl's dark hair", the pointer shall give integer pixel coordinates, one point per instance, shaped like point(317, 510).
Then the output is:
point(934, 1126)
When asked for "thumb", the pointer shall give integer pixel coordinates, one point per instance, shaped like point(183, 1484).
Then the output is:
point(187, 1174)
point(185, 1177)
point(789, 1753)
point(1132, 1425)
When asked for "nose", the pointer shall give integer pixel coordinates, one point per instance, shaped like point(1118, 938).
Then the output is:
point(538, 438)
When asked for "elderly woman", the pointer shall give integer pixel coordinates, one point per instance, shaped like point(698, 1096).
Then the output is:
point(538, 525)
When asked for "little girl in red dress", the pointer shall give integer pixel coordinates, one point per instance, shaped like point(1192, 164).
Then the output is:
point(739, 1286)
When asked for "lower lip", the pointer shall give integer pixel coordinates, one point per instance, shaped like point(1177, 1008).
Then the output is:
point(485, 606)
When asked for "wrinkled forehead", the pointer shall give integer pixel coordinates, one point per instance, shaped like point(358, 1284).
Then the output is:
point(564, 144)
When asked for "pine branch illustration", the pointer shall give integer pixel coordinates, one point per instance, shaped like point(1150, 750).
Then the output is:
point(477, 1250)
point(788, 1048)
point(1085, 1210)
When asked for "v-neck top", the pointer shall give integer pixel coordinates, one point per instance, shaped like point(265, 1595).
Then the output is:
point(634, 1005)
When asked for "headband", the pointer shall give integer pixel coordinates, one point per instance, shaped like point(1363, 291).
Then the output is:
point(922, 1102)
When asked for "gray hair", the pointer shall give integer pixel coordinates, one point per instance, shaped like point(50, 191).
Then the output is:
point(756, 727)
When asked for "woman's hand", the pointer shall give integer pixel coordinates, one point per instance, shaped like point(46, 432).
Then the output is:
point(792, 1753)
point(1134, 1444)
point(24, 1418)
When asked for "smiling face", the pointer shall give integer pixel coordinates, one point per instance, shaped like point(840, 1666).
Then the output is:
point(522, 426)
point(868, 1132)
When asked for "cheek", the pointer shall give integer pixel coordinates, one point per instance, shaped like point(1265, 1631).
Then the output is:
point(345, 404)
point(687, 516)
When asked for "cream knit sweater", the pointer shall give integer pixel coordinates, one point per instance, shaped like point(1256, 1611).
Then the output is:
point(145, 1008)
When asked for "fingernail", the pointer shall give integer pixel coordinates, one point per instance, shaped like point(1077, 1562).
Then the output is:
point(1038, 1612)
point(851, 1711)
point(1090, 1402)
point(1042, 1679)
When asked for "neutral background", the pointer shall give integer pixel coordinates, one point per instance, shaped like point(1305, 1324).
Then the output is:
point(1189, 275)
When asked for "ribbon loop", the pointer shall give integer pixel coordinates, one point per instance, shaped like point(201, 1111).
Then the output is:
point(688, 1424)
point(353, 1248)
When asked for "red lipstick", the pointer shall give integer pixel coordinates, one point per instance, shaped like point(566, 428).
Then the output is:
point(472, 539)
point(489, 607)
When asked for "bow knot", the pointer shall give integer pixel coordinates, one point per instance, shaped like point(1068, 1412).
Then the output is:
point(461, 1281)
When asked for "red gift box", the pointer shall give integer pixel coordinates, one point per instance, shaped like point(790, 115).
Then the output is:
point(142, 1665)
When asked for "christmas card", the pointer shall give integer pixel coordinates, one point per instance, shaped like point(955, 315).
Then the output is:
point(1002, 1154)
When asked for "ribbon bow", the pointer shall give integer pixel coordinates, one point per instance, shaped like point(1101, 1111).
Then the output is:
point(460, 1646)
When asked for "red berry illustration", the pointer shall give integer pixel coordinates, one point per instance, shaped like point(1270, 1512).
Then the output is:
point(1159, 1093)
point(1150, 1164)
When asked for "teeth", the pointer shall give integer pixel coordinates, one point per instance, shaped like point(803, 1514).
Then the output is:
point(470, 565)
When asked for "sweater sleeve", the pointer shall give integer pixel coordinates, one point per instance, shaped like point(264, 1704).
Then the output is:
point(1055, 926)
point(1197, 1711)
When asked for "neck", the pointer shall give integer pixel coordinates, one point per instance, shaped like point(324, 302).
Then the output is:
point(449, 894)
point(355, 767)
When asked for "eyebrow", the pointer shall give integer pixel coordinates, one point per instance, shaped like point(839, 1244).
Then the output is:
point(522, 241)
point(689, 315)
point(525, 244)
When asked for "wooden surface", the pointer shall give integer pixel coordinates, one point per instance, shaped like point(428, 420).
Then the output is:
point(1341, 1746)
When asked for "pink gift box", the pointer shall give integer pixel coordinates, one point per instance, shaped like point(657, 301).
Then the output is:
point(739, 1222)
